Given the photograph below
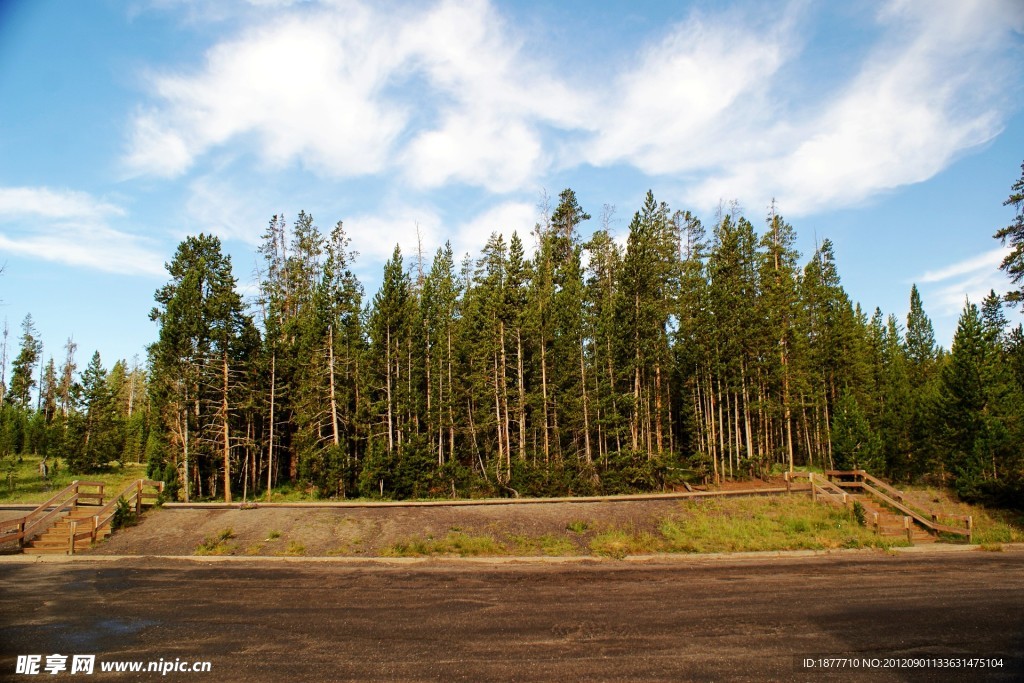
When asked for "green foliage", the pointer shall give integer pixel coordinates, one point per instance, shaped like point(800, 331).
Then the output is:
point(1013, 234)
point(217, 544)
point(858, 513)
point(585, 366)
point(124, 515)
point(854, 445)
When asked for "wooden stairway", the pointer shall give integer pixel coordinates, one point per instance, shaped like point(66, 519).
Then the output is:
point(56, 539)
point(887, 523)
point(886, 509)
point(74, 519)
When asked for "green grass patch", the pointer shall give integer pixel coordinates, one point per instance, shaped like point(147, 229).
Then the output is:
point(273, 535)
point(294, 549)
point(454, 543)
point(20, 481)
point(218, 544)
point(551, 545)
point(618, 543)
point(577, 526)
point(760, 524)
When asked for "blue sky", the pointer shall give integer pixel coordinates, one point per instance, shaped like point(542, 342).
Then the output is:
point(895, 129)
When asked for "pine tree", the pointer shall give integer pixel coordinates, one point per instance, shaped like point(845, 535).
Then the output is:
point(23, 368)
point(1013, 234)
point(964, 402)
point(203, 330)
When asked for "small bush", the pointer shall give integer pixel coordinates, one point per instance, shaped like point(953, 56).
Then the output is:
point(217, 545)
point(577, 526)
point(124, 515)
point(858, 513)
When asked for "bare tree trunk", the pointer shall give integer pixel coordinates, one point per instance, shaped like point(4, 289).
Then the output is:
point(391, 423)
point(185, 445)
point(334, 400)
point(544, 395)
point(586, 415)
point(227, 435)
point(657, 405)
point(522, 396)
point(746, 412)
point(270, 446)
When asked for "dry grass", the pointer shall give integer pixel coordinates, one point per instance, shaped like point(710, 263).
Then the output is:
point(454, 543)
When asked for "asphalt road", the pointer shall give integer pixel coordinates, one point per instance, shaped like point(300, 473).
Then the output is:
point(668, 620)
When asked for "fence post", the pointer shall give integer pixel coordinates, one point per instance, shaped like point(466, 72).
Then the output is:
point(909, 529)
point(73, 529)
point(21, 533)
point(970, 528)
point(789, 485)
point(138, 497)
point(877, 529)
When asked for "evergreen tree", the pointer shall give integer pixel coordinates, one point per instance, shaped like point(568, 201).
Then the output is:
point(202, 331)
point(23, 368)
point(1013, 234)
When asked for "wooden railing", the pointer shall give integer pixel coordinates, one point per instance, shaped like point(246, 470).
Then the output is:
point(89, 528)
point(895, 499)
point(822, 488)
point(22, 529)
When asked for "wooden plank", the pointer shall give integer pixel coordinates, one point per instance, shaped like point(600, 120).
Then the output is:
point(924, 522)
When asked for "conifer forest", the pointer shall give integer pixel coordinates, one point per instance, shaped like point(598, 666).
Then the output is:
point(558, 360)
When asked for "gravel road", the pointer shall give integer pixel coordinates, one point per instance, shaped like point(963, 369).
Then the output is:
point(679, 619)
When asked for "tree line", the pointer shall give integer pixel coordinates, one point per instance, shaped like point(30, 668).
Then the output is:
point(579, 365)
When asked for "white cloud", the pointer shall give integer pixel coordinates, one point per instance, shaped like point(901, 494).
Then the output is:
point(71, 227)
point(306, 87)
point(971, 278)
point(375, 236)
point(43, 202)
point(680, 107)
point(927, 93)
point(505, 218)
point(452, 93)
point(442, 95)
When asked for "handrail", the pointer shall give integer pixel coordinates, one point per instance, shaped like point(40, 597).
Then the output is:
point(882, 491)
point(934, 526)
point(895, 493)
point(826, 484)
point(27, 526)
point(131, 494)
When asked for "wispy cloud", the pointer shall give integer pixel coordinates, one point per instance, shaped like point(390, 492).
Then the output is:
point(929, 90)
point(681, 106)
point(971, 278)
point(73, 228)
point(454, 93)
point(335, 89)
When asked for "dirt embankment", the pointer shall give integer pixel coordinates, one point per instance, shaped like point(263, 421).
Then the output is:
point(368, 531)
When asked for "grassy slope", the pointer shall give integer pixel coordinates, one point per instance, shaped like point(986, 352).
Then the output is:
point(28, 487)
